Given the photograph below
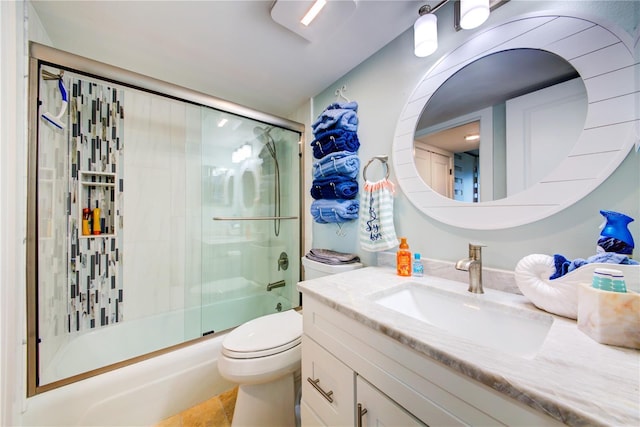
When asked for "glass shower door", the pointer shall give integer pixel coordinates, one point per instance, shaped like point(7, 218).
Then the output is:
point(250, 220)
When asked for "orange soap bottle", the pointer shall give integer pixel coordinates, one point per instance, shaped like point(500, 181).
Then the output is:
point(403, 258)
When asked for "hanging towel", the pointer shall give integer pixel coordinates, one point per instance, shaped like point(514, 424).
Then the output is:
point(335, 187)
point(333, 141)
point(351, 105)
point(377, 232)
point(336, 118)
point(326, 211)
point(327, 256)
point(339, 163)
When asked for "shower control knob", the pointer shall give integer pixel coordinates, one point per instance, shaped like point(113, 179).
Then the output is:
point(283, 261)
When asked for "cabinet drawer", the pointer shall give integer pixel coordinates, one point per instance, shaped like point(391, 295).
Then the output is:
point(331, 396)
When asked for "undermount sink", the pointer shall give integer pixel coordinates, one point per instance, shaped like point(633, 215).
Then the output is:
point(472, 317)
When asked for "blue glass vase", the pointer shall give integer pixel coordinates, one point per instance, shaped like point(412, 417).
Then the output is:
point(615, 236)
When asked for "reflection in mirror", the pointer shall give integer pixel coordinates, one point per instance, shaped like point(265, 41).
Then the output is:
point(499, 125)
point(250, 191)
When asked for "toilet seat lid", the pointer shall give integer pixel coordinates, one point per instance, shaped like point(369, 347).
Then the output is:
point(264, 336)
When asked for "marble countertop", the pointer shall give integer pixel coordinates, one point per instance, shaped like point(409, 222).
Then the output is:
point(572, 378)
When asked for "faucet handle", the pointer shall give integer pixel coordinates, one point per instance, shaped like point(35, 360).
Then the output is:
point(475, 250)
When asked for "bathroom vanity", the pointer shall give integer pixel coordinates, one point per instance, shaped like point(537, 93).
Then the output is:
point(383, 349)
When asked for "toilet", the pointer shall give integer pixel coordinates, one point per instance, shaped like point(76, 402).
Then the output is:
point(314, 269)
point(263, 356)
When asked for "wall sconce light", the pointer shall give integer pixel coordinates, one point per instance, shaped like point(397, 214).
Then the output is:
point(473, 13)
point(425, 33)
point(468, 14)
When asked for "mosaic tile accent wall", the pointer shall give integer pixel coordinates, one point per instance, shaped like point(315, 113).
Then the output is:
point(96, 153)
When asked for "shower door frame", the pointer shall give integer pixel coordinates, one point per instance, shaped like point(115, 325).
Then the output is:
point(44, 55)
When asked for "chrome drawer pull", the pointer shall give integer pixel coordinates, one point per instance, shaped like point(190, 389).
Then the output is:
point(325, 394)
point(361, 412)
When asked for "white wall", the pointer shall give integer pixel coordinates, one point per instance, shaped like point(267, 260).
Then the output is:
point(12, 209)
point(381, 86)
point(158, 188)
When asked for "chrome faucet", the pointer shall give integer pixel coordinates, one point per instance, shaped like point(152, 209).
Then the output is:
point(473, 265)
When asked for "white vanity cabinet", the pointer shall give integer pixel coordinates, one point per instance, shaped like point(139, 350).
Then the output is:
point(353, 364)
point(327, 386)
point(333, 394)
point(374, 408)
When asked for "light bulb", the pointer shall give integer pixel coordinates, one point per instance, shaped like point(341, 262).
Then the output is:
point(425, 35)
point(473, 13)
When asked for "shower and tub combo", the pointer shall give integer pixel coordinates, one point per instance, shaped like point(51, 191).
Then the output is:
point(189, 236)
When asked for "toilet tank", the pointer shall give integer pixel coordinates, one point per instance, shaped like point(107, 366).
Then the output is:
point(314, 269)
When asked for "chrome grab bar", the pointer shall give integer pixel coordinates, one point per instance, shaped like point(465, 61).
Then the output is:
point(251, 218)
point(325, 394)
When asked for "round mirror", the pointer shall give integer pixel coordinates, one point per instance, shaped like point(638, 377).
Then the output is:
point(488, 131)
point(603, 58)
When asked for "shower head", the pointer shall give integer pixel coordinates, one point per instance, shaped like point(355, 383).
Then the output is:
point(263, 134)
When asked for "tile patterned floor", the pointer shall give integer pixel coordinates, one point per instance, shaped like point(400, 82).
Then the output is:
point(215, 412)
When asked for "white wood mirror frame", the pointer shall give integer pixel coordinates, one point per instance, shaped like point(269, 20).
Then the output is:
point(603, 57)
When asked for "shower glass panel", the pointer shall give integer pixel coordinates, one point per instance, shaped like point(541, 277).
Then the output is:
point(250, 228)
point(158, 220)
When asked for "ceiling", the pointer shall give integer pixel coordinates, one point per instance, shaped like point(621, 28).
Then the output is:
point(229, 49)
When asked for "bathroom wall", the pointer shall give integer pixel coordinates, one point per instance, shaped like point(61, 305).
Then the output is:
point(381, 86)
point(12, 208)
point(162, 176)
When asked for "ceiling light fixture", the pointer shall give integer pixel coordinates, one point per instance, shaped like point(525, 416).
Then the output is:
point(472, 137)
point(313, 12)
point(296, 16)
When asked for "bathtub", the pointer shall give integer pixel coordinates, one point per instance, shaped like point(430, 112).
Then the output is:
point(140, 394)
point(83, 352)
point(146, 392)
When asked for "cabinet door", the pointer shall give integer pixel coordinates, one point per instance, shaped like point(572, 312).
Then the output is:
point(308, 417)
point(327, 386)
point(375, 409)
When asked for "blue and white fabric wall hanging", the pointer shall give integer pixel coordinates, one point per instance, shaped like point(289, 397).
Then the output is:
point(335, 172)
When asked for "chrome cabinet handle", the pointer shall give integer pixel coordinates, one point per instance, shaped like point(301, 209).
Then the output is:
point(361, 412)
point(325, 394)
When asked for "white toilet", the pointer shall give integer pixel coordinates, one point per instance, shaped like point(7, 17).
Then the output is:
point(263, 356)
point(314, 269)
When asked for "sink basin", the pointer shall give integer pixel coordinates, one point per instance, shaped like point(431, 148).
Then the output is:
point(472, 317)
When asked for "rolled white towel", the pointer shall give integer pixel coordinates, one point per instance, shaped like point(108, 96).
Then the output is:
point(560, 296)
point(555, 296)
